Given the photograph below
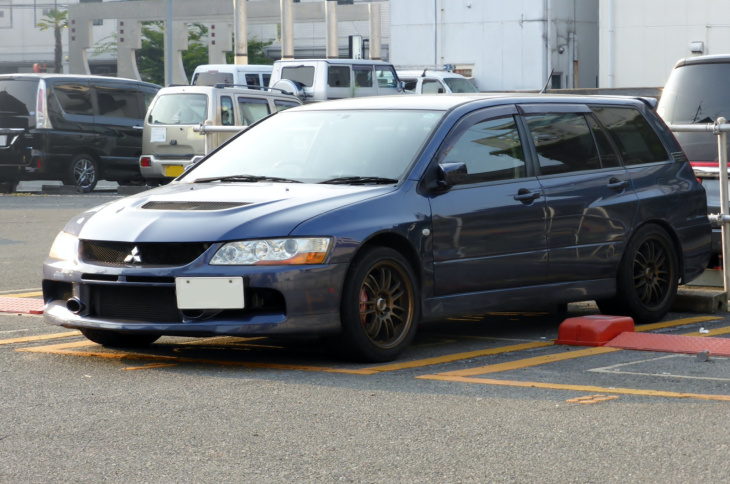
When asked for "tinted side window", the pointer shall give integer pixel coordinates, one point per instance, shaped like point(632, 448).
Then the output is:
point(74, 98)
point(226, 111)
point(252, 109)
point(636, 140)
point(491, 150)
point(609, 157)
point(386, 76)
point(338, 76)
point(252, 79)
point(410, 84)
point(301, 74)
point(563, 142)
point(282, 105)
point(118, 102)
point(431, 86)
point(363, 76)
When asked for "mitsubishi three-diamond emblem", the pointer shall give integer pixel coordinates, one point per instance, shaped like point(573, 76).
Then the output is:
point(133, 257)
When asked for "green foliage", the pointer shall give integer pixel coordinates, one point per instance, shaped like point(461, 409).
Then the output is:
point(55, 20)
point(255, 52)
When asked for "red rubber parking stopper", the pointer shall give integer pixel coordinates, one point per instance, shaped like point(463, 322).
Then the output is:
point(594, 330)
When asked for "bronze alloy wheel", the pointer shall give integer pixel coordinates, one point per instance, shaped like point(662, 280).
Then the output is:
point(653, 272)
point(386, 305)
point(379, 307)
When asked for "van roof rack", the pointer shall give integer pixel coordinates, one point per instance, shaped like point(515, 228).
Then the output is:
point(252, 87)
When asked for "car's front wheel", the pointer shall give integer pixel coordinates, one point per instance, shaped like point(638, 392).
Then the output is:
point(647, 278)
point(379, 308)
point(115, 339)
point(82, 172)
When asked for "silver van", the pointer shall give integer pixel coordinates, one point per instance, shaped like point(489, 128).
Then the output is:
point(231, 74)
point(170, 142)
point(313, 80)
point(432, 81)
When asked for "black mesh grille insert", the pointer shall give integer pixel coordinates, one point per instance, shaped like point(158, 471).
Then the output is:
point(148, 253)
point(135, 303)
point(192, 205)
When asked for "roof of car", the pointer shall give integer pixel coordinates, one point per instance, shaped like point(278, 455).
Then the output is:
point(261, 92)
point(428, 73)
point(704, 59)
point(335, 61)
point(445, 102)
point(50, 75)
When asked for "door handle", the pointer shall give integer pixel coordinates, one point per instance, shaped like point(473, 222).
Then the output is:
point(524, 195)
point(616, 184)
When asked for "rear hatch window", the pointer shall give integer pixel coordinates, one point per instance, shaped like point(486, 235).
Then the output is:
point(696, 94)
point(17, 103)
point(183, 108)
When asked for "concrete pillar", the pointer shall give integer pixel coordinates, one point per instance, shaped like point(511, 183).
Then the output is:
point(80, 38)
point(330, 13)
point(239, 19)
point(129, 41)
point(219, 42)
point(179, 44)
point(375, 40)
point(287, 30)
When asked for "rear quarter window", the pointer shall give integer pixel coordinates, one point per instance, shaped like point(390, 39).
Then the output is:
point(632, 134)
point(18, 97)
point(74, 98)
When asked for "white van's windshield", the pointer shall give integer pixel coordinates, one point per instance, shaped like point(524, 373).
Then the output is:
point(182, 108)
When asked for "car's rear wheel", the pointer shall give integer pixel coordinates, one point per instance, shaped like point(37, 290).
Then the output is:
point(115, 339)
point(83, 172)
point(647, 278)
point(379, 308)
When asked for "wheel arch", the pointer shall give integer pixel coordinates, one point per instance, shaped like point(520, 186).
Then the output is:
point(672, 235)
point(401, 245)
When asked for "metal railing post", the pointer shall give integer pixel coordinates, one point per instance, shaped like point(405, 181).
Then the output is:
point(724, 210)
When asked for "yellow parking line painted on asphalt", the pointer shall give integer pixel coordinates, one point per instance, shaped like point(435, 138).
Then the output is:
point(676, 322)
point(450, 358)
point(150, 366)
point(29, 339)
point(23, 294)
point(577, 388)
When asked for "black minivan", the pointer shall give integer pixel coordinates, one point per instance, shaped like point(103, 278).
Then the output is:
point(74, 128)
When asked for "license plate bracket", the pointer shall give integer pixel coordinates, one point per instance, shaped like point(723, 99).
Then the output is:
point(209, 292)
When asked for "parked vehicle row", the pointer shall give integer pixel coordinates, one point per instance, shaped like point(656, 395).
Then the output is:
point(357, 219)
point(77, 129)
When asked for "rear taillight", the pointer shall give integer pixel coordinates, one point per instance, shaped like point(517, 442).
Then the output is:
point(145, 161)
point(41, 121)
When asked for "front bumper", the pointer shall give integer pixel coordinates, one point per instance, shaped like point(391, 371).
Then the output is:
point(278, 299)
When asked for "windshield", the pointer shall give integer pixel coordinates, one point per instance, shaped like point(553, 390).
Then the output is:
point(184, 108)
point(460, 85)
point(316, 146)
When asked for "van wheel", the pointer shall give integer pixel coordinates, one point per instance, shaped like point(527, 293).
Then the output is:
point(114, 339)
point(647, 279)
point(379, 308)
point(82, 172)
point(9, 186)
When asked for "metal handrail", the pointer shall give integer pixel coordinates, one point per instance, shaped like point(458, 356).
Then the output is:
point(208, 129)
point(720, 129)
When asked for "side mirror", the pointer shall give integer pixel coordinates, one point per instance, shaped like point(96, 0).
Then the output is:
point(450, 174)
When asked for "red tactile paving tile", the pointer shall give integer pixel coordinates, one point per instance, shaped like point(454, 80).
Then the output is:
point(669, 343)
point(21, 305)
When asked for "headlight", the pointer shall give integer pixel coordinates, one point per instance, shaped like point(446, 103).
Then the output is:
point(273, 252)
point(65, 247)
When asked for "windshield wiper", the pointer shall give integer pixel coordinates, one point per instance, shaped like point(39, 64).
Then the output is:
point(246, 178)
point(360, 180)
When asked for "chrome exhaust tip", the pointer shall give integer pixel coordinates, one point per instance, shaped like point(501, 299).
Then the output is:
point(74, 305)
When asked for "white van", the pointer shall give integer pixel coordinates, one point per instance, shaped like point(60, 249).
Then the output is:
point(431, 81)
point(231, 75)
point(313, 80)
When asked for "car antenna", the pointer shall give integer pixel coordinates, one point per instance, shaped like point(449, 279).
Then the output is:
point(544, 89)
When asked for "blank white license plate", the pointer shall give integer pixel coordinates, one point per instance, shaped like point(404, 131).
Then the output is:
point(3, 139)
point(209, 292)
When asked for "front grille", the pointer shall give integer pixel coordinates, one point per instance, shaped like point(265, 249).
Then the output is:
point(209, 206)
point(135, 303)
point(141, 254)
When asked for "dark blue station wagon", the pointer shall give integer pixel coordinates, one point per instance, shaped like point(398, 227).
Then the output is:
point(361, 218)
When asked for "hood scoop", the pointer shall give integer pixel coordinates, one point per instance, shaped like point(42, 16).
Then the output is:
point(198, 206)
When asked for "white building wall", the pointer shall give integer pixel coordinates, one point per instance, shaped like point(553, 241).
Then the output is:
point(640, 41)
point(504, 43)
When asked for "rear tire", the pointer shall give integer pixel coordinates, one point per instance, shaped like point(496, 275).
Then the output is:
point(83, 172)
point(380, 306)
point(114, 339)
point(647, 279)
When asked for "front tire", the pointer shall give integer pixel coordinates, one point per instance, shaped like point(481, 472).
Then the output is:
point(83, 172)
point(647, 279)
point(114, 339)
point(380, 306)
